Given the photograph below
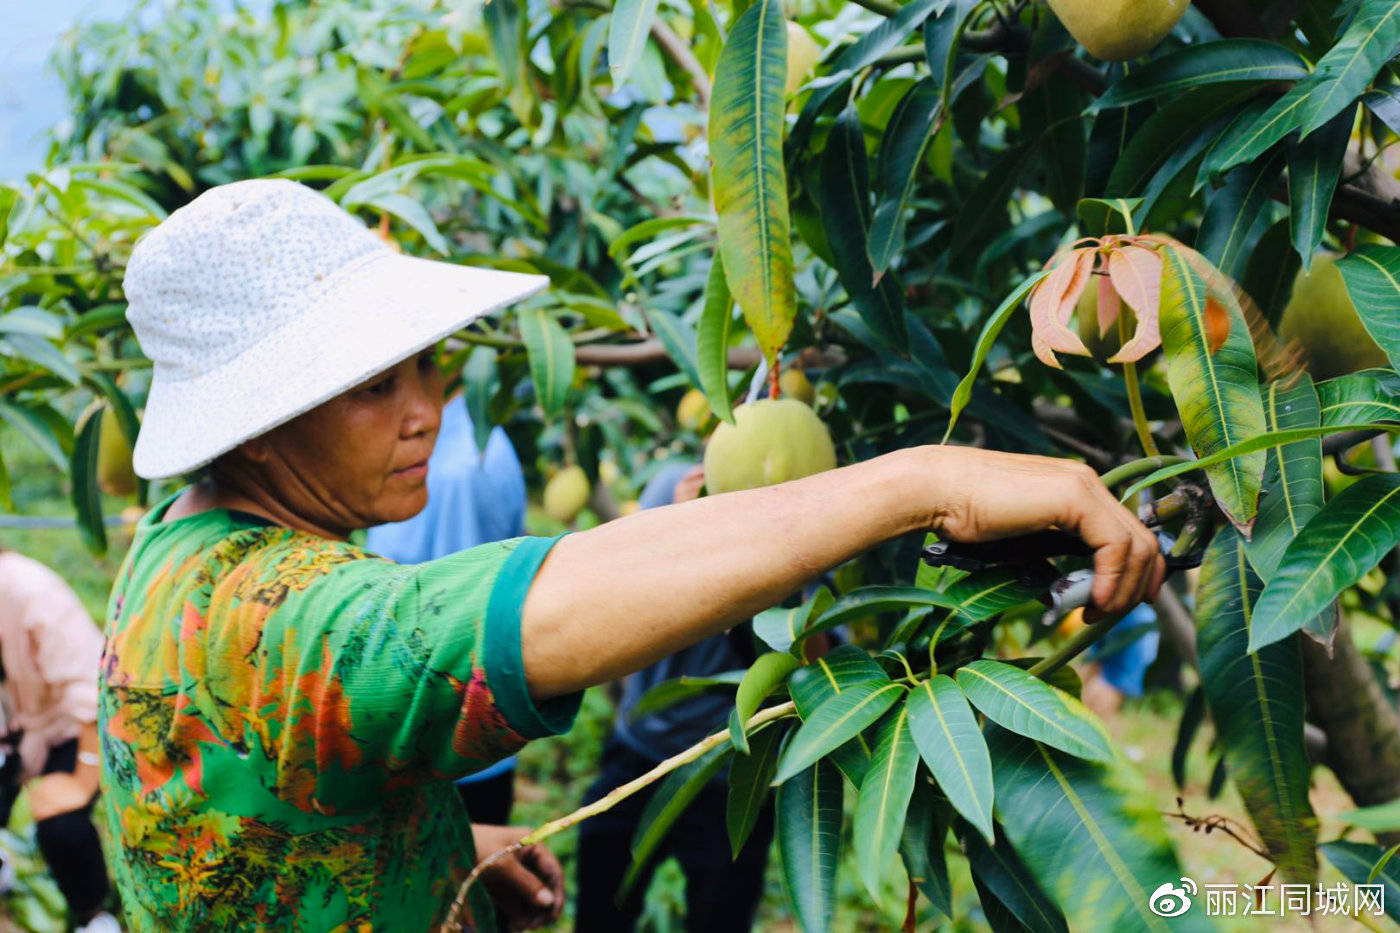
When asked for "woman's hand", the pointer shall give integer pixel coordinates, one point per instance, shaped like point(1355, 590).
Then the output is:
point(990, 495)
point(527, 886)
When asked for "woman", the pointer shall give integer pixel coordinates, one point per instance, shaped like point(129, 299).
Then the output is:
point(48, 728)
point(284, 712)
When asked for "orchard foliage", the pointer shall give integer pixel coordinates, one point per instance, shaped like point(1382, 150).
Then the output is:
point(957, 195)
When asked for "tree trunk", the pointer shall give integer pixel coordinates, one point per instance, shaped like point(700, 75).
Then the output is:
point(1363, 729)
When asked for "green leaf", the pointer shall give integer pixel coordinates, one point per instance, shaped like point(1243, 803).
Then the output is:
point(712, 342)
point(884, 799)
point(949, 740)
point(480, 380)
point(1256, 703)
point(7, 502)
point(551, 358)
point(985, 340)
point(40, 430)
point(41, 353)
point(1225, 61)
point(1102, 216)
point(1358, 860)
point(809, 843)
point(1005, 883)
point(779, 628)
point(415, 215)
point(1381, 818)
point(762, 678)
point(986, 593)
point(87, 501)
point(844, 202)
point(835, 672)
point(1026, 705)
point(1268, 277)
point(670, 692)
point(628, 28)
point(1268, 439)
point(1089, 833)
point(837, 721)
point(1165, 132)
point(666, 806)
point(1052, 114)
point(921, 845)
point(749, 182)
point(1292, 476)
point(1335, 549)
point(872, 600)
point(1216, 392)
point(1191, 716)
point(1370, 395)
point(1314, 166)
point(678, 340)
point(986, 204)
point(1234, 211)
point(1338, 80)
point(749, 777)
point(1383, 102)
point(1372, 276)
point(912, 126)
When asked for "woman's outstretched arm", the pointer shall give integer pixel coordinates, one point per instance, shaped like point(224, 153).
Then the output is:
point(613, 599)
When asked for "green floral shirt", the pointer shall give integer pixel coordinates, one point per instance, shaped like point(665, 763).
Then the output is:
point(283, 715)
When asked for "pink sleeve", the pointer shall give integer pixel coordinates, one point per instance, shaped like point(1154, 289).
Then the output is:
point(67, 649)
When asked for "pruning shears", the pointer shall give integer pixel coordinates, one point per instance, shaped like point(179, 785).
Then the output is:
point(1031, 554)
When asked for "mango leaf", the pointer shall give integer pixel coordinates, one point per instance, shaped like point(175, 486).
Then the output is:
point(809, 843)
point(1292, 476)
point(1051, 112)
point(949, 740)
point(838, 670)
point(837, 721)
point(1166, 132)
point(779, 628)
point(748, 181)
point(985, 340)
point(1191, 716)
point(762, 678)
point(986, 593)
point(41, 353)
point(712, 342)
point(628, 28)
point(1314, 166)
point(1233, 212)
point(675, 335)
point(1338, 546)
point(749, 777)
point(87, 501)
point(1089, 833)
point(1370, 395)
point(670, 692)
point(42, 431)
point(1005, 885)
point(921, 845)
point(1216, 388)
point(1383, 102)
point(1268, 277)
point(844, 202)
point(1256, 703)
point(1372, 276)
point(1381, 818)
point(872, 600)
point(1358, 861)
point(1225, 61)
point(913, 124)
point(1338, 80)
point(551, 358)
point(884, 799)
point(1260, 442)
point(480, 380)
point(1026, 705)
point(666, 806)
point(986, 203)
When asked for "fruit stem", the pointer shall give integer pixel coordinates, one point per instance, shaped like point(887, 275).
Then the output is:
point(1130, 381)
point(773, 380)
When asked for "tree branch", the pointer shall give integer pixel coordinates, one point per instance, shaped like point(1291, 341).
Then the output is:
point(680, 53)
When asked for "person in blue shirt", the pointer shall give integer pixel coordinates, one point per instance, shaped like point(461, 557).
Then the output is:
point(473, 498)
point(722, 893)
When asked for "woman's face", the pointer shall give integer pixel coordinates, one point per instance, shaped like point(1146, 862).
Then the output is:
point(361, 459)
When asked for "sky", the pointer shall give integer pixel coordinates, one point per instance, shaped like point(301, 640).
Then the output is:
point(31, 98)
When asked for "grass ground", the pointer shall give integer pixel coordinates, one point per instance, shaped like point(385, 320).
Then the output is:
point(555, 772)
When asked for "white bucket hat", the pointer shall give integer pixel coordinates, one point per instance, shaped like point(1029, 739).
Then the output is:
point(261, 299)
